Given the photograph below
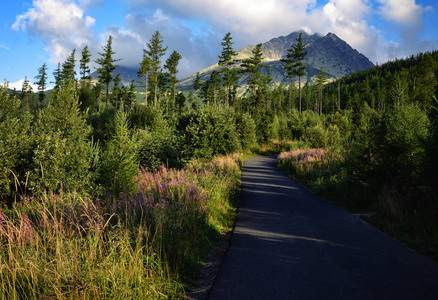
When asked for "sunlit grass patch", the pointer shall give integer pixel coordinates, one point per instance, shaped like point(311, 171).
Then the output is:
point(142, 245)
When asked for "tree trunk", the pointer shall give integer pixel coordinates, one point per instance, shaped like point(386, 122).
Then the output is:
point(299, 90)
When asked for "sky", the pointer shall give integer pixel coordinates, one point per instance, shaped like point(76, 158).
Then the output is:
point(34, 32)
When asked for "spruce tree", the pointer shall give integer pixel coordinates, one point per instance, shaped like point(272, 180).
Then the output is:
point(294, 63)
point(26, 91)
point(63, 153)
point(83, 65)
point(251, 66)
point(41, 82)
point(196, 86)
point(172, 67)
point(57, 74)
point(68, 68)
point(155, 52)
point(107, 66)
point(321, 79)
point(226, 60)
point(143, 73)
point(120, 165)
point(16, 146)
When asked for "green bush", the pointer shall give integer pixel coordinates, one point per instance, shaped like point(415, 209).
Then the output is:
point(63, 153)
point(211, 131)
point(15, 146)
point(246, 128)
point(119, 162)
point(388, 150)
point(102, 123)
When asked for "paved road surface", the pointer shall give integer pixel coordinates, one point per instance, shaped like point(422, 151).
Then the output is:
point(291, 244)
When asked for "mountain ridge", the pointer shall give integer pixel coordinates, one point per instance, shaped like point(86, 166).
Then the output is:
point(333, 54)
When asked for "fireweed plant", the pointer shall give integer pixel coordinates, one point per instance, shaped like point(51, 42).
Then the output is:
point(143, 245)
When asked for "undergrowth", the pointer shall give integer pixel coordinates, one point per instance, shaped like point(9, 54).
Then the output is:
point(143, 245)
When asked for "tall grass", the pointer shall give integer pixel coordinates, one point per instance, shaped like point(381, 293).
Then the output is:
point(142, 245)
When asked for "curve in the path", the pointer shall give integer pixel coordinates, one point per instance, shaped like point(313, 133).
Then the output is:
point(290, 244)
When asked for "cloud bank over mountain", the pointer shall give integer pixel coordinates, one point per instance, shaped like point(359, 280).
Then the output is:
point(380, 29)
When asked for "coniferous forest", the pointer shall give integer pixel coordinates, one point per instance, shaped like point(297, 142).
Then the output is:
point(112, 190)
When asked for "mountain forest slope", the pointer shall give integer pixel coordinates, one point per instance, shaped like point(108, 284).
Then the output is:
point(334, 55)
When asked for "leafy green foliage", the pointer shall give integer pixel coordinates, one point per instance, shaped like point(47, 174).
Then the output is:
point(159, 144)
point(210, 131)
point(389, 150)
point(63, 153)
point(16, 143)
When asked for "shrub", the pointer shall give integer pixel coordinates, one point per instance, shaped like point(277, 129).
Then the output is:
point(212, 131)
point(15, 146)
point(63, 153)
point(119, 162)
point(247, 131)
point(389, 149)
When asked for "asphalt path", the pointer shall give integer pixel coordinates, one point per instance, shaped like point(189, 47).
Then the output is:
point(290, 244)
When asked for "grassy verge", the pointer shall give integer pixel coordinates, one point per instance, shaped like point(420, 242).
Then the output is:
point(145, 245)
point(408, 215)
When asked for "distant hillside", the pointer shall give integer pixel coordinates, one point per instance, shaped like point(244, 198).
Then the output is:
point(330, 52)
point(126, 74)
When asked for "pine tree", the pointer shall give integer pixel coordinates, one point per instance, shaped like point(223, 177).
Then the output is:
point(172, 67)
point(143, 73)
point(155, 52)
point(107, 66)
point(41, 82)
point(294, 63)
point(57, 74)
point(117, 91)
point(87, 98)
point(251, 66)
point(321, 79)
point(226, 61)
point(84, 68)
point(120, 164)
point(63, 153)
point(68, 68)
point(16, 146)
point(26, 91)
point(197, 84)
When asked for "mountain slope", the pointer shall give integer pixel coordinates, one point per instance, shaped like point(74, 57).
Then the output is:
point(330, 52)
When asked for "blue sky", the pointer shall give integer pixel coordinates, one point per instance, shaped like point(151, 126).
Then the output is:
point(34, 32)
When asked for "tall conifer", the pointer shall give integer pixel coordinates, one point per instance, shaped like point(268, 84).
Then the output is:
point(155, 51)
point(107, 66)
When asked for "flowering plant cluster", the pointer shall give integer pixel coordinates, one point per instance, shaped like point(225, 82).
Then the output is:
point(72, 245)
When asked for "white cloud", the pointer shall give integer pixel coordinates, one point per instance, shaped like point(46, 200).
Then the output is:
point(19, 85)
point(346, 19)
point(197, 49)
point(60, 24)
point(402, 12)
point(4, 47)
point(195, 28)
point(245, 19)
point(407, 16)
point(255, 21)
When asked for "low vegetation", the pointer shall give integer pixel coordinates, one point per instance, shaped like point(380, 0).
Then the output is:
point(140, 245)
point(382, 173)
